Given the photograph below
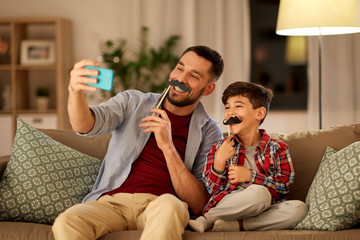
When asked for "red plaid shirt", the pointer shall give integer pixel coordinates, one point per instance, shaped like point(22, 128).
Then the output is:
point(272, 158)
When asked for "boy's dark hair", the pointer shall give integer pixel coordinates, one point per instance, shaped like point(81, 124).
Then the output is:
point(211, 55)
point(259, 96)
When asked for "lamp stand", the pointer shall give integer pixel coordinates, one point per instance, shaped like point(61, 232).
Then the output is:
point(320, 88)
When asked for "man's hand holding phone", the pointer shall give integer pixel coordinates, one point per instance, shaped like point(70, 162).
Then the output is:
point(87, 75)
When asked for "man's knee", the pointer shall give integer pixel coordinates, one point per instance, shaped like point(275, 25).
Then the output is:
point(169, 205)
point(170, 202)
point(66, 217)
point(61, 223)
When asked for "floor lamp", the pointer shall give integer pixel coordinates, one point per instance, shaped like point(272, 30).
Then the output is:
point(318, 18)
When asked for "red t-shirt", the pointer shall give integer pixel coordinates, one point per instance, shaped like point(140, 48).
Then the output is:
point(149, 173)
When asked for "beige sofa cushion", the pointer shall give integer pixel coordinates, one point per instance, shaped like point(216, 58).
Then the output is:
point(22, 231)
point(307, 149)
point(93, 146)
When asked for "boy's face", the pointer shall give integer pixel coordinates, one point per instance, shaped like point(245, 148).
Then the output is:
point(241, 107)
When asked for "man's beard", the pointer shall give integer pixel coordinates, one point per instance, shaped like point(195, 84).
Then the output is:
point(184, 102)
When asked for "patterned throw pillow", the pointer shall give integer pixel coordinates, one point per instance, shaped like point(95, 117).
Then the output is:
point(334, 195)
point(43, 177)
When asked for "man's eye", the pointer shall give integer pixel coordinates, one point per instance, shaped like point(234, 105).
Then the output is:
point(194, 76)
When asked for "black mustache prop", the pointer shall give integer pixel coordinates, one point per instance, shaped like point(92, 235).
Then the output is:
point(181, 85)
point(232, 120)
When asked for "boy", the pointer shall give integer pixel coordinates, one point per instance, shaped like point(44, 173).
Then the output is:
point(248, 174)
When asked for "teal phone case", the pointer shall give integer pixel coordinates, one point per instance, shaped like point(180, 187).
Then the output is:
point(105, 78)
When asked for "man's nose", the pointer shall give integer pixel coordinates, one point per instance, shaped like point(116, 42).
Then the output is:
point(182, 77)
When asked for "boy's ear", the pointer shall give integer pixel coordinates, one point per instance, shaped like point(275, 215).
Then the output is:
point(261, 113)
point(209, 89)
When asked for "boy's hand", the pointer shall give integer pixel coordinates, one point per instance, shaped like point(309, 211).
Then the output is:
point(239, 174)
point(225, 152)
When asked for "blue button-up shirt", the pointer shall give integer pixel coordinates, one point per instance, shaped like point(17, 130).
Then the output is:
point(121, 115)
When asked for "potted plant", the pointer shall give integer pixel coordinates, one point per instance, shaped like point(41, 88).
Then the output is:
point(42, 98)
point(146, 68)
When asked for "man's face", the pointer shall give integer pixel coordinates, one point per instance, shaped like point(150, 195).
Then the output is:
point(194, 71)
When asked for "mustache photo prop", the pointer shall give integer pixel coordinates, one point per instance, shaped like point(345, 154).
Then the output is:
point(181, 85)
point(174, 83)
point(232, 120)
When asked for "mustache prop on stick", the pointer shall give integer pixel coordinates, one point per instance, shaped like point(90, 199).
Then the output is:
point(174, 83)
point(231, 120)
point(181, 85)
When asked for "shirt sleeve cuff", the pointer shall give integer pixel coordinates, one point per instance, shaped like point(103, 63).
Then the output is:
point(217, 173)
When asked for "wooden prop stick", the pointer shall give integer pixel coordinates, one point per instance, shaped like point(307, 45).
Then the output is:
point(162, 98)
point(229, 134)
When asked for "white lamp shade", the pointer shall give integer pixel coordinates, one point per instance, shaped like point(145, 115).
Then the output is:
point(318, 17)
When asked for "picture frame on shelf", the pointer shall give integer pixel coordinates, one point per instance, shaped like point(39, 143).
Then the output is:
point(37, 52)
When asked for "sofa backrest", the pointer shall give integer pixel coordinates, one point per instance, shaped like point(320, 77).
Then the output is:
point(307, 149)
point(93, 146)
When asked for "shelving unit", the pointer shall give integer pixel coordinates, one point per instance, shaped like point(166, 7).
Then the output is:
point(24, 79)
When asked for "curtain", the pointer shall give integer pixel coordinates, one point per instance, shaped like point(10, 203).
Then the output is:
point(340, 80)
point(221, 25)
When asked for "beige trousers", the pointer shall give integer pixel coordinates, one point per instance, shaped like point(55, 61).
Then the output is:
point(160, 217)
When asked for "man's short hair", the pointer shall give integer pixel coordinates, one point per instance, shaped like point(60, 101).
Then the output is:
point(212, 56)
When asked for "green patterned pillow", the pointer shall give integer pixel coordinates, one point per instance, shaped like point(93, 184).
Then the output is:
point(334, 195)
point(43, 177)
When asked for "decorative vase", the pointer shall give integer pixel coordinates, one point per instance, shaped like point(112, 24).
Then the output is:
point(42, 103)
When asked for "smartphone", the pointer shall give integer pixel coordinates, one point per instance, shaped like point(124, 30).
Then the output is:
point(105, 78)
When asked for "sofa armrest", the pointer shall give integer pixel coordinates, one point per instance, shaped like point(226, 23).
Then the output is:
point(3, 162)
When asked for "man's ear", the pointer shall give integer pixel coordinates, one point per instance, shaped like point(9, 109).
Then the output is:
point(261, 113)
point(209, 89)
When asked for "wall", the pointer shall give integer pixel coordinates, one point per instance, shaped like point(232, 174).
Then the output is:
point(95, 21)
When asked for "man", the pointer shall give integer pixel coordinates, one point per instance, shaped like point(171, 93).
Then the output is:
point(151, 174)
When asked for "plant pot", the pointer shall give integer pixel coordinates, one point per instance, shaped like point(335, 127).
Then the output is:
point(42, 103)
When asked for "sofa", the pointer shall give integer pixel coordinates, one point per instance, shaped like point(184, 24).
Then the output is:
point(307, 149)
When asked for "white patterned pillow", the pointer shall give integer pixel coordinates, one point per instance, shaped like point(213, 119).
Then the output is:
point(43, 177)
point(334, 195)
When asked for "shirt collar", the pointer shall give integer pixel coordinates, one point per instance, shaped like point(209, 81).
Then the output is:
point(265, 139)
